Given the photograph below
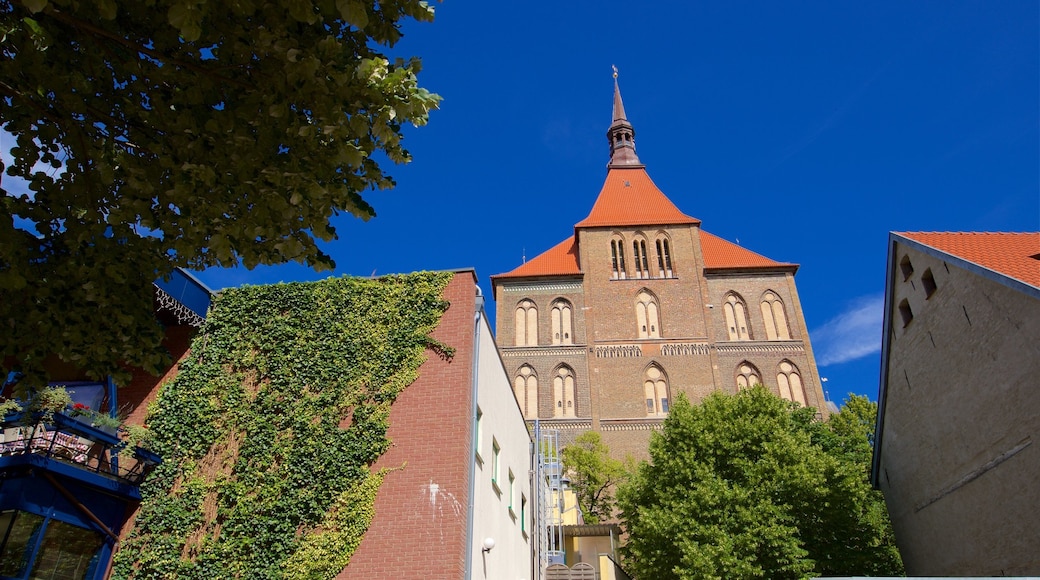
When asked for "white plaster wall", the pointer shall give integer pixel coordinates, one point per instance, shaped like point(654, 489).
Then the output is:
point(503, 422)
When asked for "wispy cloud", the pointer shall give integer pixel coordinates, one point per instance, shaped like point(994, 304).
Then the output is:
point(853, 334)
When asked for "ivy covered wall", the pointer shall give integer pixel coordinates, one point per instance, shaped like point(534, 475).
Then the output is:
point(268, 429)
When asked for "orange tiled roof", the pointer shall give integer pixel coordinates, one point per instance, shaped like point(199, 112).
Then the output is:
point(629, 198)
point(1009, 253)
point(561, 259)
point(718, 253)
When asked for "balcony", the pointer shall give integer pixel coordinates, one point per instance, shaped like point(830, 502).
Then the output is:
point(74, 449)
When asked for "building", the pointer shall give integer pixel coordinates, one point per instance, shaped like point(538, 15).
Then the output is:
point(67, 486)
point(602, 330)
point(467, 457)
point(958, 403)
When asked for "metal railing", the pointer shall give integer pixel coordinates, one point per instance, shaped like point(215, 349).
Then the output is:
point(84, 446)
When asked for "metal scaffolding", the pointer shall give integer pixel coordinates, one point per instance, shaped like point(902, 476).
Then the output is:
point(547, 488)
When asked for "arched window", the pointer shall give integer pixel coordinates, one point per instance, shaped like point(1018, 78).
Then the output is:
point(526, 323)
point(564, 392)
point(736, 317)
point(525, 387)
point(664, 258)
point(790, 382)
point(617, 258)
point(747, 376)
point(655, 391)
point(647, 319)
point(642, 260)
point(775, 318)
point(561, 322)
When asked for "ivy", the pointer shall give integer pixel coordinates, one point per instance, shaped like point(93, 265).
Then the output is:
point(269, 429)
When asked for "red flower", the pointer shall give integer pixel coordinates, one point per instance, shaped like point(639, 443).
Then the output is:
point(79, 407)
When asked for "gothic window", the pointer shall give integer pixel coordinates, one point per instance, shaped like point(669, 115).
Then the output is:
point(526, 324)
point(642, 260)
point(617, 258)
point(564, 393)
point(747, 376)
point(736, 317)
point(655, 391)
point(647, 320)
point(525, 387)
point(562, 319)
point(664, 258)
point(790, 382)
point(774, 317)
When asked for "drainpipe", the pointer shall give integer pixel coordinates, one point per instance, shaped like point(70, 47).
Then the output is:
point(477, 316)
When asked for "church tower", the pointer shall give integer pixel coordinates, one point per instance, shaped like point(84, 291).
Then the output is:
point(601, 331)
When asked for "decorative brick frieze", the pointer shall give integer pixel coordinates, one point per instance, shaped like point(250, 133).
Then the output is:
point(533, 351)
point(784, 347)
point(644, 424)
point(619, 351)
point(686, 349)
point(543, 288)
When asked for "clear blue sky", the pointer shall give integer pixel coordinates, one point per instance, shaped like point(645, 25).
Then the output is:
point(845, 120)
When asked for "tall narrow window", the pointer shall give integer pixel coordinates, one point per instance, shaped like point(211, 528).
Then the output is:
point(561, 322)
point(774, 317)
point(664, 259)
point(614, 260)
point(525, 387)
point(736, 318)
point(647, 322)
point(564, 393)
point(526, 324)
point(642, 261)
point(655, 391)
point(747, 376)
point(790, 383)
point(617, 258)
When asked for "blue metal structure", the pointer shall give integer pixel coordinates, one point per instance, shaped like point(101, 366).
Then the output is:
point(66, 486)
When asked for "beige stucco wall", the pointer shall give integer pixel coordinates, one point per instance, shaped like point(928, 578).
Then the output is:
point(959, 460)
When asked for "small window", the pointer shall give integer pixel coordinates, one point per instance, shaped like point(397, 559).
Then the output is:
point(905, 312)
point(512, 493)
point(523, 514)
point(479, 433)
point(906, 267)
point(928, 280)
point(495, 452)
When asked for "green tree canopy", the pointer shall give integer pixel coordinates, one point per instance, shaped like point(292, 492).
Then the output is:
point(593, 474)
point(181, 133)
point(751, 486)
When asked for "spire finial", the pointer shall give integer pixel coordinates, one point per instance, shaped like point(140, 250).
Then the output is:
point(621, 135)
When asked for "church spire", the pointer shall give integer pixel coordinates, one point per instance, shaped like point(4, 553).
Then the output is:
point(621, 135)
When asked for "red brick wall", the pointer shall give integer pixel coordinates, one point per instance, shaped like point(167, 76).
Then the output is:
point(133, 398)
point(419, 529)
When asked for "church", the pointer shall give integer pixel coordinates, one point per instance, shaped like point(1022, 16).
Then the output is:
point(601, 331)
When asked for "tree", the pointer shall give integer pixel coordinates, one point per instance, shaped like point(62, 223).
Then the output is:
point(594, 474)
point(181, 133)
point(752, 486)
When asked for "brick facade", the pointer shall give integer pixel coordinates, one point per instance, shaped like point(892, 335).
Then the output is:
point(430, 427)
